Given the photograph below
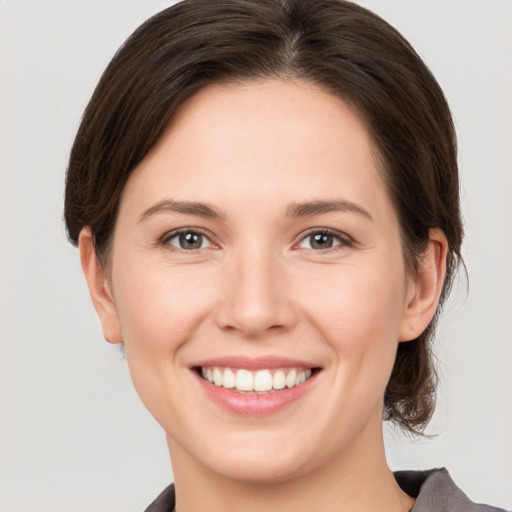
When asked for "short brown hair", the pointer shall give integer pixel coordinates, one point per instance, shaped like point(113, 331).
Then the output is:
point(337, 45)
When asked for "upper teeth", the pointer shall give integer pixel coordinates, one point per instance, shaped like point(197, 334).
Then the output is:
point(260, 381)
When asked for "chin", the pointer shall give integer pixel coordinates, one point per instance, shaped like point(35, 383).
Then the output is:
point(260, 458)
point(268, 469)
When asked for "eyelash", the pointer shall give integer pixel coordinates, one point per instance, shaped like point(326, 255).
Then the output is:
point(176, 233)
point(342, 239)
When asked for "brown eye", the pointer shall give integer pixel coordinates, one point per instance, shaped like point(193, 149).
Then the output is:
point(188, 240)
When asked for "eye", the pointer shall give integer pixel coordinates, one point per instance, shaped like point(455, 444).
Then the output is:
point(188, 240)
point(322, 240)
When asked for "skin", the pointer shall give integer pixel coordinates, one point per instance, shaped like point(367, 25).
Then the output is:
point(257, 287)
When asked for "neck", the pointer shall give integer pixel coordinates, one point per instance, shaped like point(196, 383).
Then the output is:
point(357, 480)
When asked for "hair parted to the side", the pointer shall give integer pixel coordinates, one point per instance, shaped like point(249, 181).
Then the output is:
point(337, 45)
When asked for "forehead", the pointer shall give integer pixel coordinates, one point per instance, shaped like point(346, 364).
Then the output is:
point(267, 142)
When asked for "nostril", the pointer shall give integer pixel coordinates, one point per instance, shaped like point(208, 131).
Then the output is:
point(255, 303)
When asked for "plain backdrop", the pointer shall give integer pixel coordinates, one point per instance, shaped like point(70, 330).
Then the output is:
point(73, 435)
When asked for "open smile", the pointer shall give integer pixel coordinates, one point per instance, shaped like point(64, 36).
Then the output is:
point(262, 381)
point(255, 387)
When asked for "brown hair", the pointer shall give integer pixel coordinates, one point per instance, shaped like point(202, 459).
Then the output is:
point(338, 45)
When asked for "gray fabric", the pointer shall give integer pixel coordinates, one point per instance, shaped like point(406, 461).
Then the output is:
point(434, 491)
point(165, 501)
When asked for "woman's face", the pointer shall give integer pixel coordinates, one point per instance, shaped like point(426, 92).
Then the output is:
point(257, 245)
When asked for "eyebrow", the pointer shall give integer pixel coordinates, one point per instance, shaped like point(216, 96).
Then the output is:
point(182, 207)
point(304, 209)
point(311, 208)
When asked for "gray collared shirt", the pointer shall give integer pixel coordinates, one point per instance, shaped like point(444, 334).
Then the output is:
point(434, 491)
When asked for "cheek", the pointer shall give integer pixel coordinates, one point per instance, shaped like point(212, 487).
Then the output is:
point(358, 312)
point(160, 310)
point(160, 306)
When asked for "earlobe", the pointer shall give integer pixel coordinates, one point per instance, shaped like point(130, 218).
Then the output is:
point(99, 288)
point(425, 288)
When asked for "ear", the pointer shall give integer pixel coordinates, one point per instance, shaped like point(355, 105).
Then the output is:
point(424, 288)
point(99, 288)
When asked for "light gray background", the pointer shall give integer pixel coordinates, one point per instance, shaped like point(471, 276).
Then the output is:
point(73, 435)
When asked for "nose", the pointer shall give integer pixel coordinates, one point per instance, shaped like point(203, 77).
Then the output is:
point(256, 298)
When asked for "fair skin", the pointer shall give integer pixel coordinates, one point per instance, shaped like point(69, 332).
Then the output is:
point(293, 262)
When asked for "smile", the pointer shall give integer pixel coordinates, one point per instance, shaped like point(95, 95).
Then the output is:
point(263, 381)
point(258, 386)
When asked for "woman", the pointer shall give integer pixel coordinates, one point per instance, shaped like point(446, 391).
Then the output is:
point(265, 198)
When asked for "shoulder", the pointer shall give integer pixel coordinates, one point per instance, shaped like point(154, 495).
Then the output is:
point(435, 491)
point(164, 502)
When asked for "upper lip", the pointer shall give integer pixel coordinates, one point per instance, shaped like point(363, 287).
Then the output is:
point(254, 363)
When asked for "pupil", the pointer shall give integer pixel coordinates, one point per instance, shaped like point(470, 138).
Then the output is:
point(321, 241)
point(191, 240)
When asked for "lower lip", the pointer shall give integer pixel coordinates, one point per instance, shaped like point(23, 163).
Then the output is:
point(255, 405)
